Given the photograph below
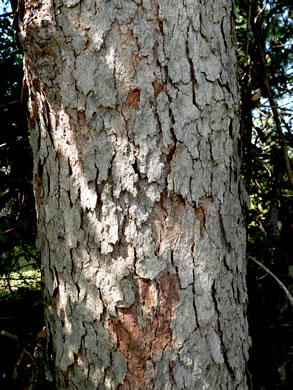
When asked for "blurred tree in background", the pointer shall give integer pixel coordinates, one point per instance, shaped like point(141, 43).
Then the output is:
point(17, 211)
point(19, 269)
point(264, 32)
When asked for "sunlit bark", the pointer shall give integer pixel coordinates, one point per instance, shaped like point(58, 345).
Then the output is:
point(135, 133)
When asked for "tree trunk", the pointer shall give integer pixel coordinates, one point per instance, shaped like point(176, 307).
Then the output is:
point(135, 132)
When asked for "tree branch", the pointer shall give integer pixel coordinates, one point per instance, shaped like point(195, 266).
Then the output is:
point(287, 292)
point(18, 226)
point(6, 14)
point(268, 90)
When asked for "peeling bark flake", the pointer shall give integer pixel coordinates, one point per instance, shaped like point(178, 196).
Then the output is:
point(158, 88)
point(168, 218)
point(169, 300)
point(140, 339)
point(132, 345)
point(133, 99)
point(200, 215)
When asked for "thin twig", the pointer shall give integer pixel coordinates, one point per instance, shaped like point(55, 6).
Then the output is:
point(262, 113)
point(8, 283)
point(6, 14)
point(278, 107)
point(9, 335)
point(247, 32)
point(287, 292)
point(14, 141)
point(29, 221)
point(14, 338)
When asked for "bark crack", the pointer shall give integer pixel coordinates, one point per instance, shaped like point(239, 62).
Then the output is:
point(220, 332)
point(223, 34)
point(191, 68)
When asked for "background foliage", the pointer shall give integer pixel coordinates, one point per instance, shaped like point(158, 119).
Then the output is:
point(264, 31)
point(17, 211)
point(20, 318)
point(264, 34)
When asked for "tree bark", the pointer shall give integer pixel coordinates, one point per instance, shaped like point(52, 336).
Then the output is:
point(134, 119)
